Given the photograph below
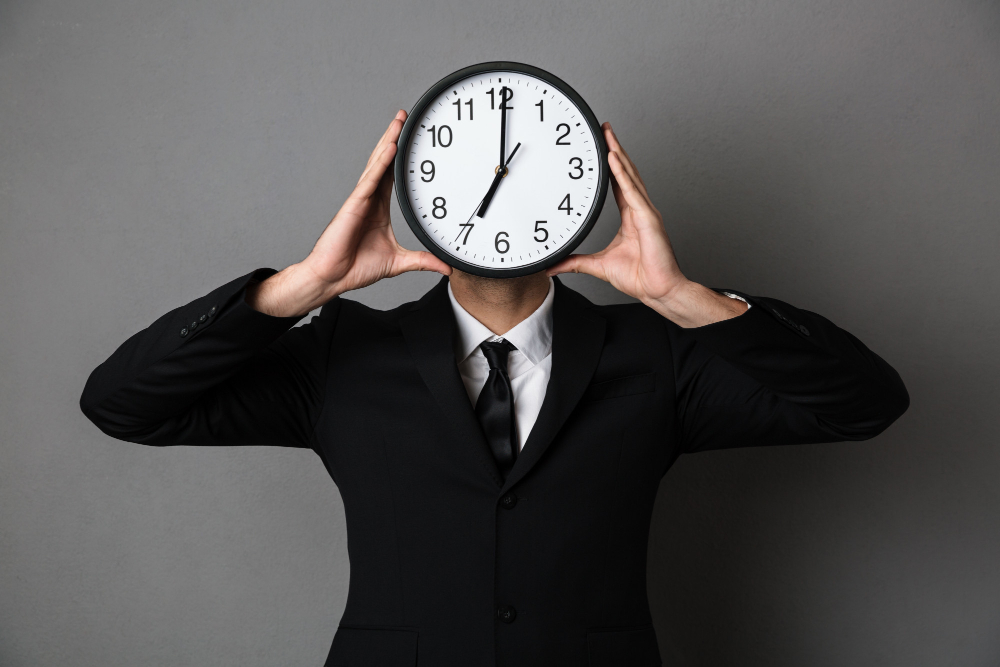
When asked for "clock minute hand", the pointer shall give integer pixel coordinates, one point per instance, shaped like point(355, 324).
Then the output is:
point(501, 172)
point(503, 125)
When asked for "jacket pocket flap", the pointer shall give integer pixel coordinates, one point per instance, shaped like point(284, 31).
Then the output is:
point(623, 386)
point(632, 647)
point(373, 647)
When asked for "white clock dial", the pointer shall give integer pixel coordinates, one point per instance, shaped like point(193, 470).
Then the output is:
point(553, 178)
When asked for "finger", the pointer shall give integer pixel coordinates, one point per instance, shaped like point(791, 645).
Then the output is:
point(617, 191)
point(627, 221)
point(390, 135)
point(395, 126)
point(630, 192)
point(385, 139)
point(615, 145)
point(373, 174)
point(615, 188)
point(374, 168)
point(419, 260)
point(588, 264)
point(380, 144)
point(630, 167)
point(388, 178)
point(385, 184)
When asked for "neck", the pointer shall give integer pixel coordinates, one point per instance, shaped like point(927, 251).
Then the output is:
point(499, 303)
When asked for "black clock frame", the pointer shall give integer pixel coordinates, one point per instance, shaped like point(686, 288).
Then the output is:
point(404, 139)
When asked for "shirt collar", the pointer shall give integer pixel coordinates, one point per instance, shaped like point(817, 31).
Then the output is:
point(532, 336)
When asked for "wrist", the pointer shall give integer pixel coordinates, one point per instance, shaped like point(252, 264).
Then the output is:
point(292, 292)
point(691, 304)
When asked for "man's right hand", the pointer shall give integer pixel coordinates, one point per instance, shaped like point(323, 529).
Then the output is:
point(357, 248)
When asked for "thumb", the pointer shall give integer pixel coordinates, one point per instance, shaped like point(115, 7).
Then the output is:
point(588, 264)
point(419, 260)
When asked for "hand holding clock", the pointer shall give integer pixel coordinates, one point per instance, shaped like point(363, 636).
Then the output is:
point(357, 248)
point(640, 260)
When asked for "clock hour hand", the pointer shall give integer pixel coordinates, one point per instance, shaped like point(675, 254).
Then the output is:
point(501, 172)
point(493, 188)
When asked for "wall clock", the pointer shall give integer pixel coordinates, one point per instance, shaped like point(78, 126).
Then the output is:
point(501, 170)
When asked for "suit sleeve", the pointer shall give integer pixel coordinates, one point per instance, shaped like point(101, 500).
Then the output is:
point(215, 372)
point(779, 375)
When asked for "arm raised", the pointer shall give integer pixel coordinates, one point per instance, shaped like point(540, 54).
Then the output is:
point(228, 368)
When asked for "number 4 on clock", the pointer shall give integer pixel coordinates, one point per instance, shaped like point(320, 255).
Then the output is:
point(564, 205)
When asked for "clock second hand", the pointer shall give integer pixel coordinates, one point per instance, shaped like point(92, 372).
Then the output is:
point(463, 225)
point(480, 207)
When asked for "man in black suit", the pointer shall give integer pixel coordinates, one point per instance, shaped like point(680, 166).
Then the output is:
point(498, 444)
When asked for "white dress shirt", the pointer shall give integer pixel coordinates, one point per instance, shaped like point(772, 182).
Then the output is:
point(529, 366)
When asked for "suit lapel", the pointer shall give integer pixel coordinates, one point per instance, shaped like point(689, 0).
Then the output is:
point(577, 342)
point(429, 331)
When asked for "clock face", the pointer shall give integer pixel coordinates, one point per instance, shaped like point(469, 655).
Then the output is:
point(502, 169)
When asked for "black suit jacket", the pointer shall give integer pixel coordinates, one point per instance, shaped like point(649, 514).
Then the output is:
point(450, 565)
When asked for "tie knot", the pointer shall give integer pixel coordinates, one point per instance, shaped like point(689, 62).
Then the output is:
point(496, 354)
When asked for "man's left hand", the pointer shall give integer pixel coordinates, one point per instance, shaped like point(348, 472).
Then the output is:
point(640, 261)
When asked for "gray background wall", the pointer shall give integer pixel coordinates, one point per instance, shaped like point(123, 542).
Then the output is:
point(840, 155)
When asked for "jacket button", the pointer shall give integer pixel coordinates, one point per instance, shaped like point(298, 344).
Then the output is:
point(193, 325)
point(211, 311)
point(803, 329)
point(508, 501)
point(203, 318)
point(506, 613)
point(184, 332)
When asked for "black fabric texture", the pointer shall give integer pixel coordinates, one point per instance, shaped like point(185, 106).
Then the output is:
point(435, 551)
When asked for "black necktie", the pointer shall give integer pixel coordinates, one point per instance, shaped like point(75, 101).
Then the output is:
point(495, 407)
